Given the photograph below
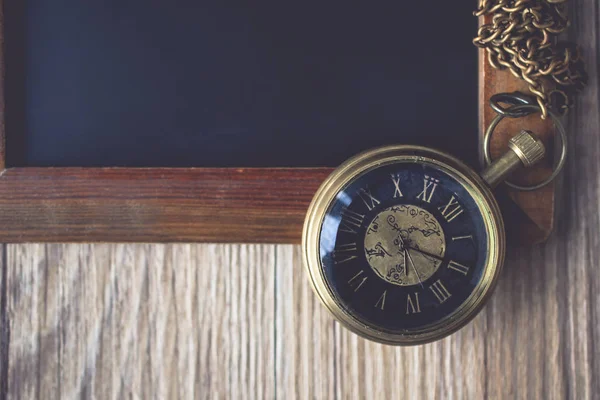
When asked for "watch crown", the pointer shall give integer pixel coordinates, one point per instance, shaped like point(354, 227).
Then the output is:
point(527, 147)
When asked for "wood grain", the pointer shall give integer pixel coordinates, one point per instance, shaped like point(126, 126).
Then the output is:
point(141, 321)
point(4, 324)
point(156, 205)
point(240, 321)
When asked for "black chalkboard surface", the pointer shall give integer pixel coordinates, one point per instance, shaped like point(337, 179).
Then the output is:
point(185, 83)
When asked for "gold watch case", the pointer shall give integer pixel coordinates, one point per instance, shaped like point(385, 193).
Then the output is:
point(367, 161)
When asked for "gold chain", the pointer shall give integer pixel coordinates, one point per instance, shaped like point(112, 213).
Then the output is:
point(522, 35)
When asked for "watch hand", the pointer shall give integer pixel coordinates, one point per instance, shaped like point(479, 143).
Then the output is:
point(426, 253)
point(400, 240)
point(415, 268)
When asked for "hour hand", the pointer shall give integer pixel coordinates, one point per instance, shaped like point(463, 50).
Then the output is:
point(426, 253)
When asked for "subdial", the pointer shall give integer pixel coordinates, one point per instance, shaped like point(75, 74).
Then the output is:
point(405, 245)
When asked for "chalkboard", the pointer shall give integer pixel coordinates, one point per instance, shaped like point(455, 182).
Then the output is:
point(185, 83)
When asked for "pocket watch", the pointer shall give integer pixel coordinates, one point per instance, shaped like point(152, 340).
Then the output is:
point(404, 244)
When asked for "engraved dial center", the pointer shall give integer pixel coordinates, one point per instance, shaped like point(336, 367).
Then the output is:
point(405, 245)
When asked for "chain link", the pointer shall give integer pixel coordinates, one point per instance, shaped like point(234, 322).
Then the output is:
point(523, 38)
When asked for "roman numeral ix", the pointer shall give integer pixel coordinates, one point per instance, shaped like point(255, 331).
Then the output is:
point(367, 198)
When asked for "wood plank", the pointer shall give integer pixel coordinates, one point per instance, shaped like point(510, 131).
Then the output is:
point(535, 220)
point(451, 368)
point(305, 350)
point(580, 228)
point(4, 325)
point(156, 205)
point(154, 321)
point(149, 321)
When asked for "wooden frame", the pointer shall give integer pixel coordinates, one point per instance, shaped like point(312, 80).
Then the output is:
point(185, 204)
point(155, 205)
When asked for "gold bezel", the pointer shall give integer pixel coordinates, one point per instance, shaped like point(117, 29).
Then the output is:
point(364, 162)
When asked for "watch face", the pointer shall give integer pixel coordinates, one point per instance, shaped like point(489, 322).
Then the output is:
point(404, 246)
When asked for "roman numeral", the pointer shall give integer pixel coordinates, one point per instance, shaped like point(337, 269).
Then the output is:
point(367, 198)
point(350, 221)
point(397, 191)
point(357, 280)
point(462, 238)
point(413, 306)
point(440, 291)
point(451, 210)
point(343, 253)
point(458, 267)
point(429, 186)
point(381, 302)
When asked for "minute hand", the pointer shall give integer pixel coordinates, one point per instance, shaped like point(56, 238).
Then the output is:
point(414, 267)
point(426, 253)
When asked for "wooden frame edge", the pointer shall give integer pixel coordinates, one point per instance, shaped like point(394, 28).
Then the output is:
point(250, 205)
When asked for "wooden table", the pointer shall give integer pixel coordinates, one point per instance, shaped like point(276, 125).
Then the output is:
point(241, 321)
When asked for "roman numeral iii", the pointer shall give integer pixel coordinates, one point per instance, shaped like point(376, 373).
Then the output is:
point(429, 186)
point(451, 210)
